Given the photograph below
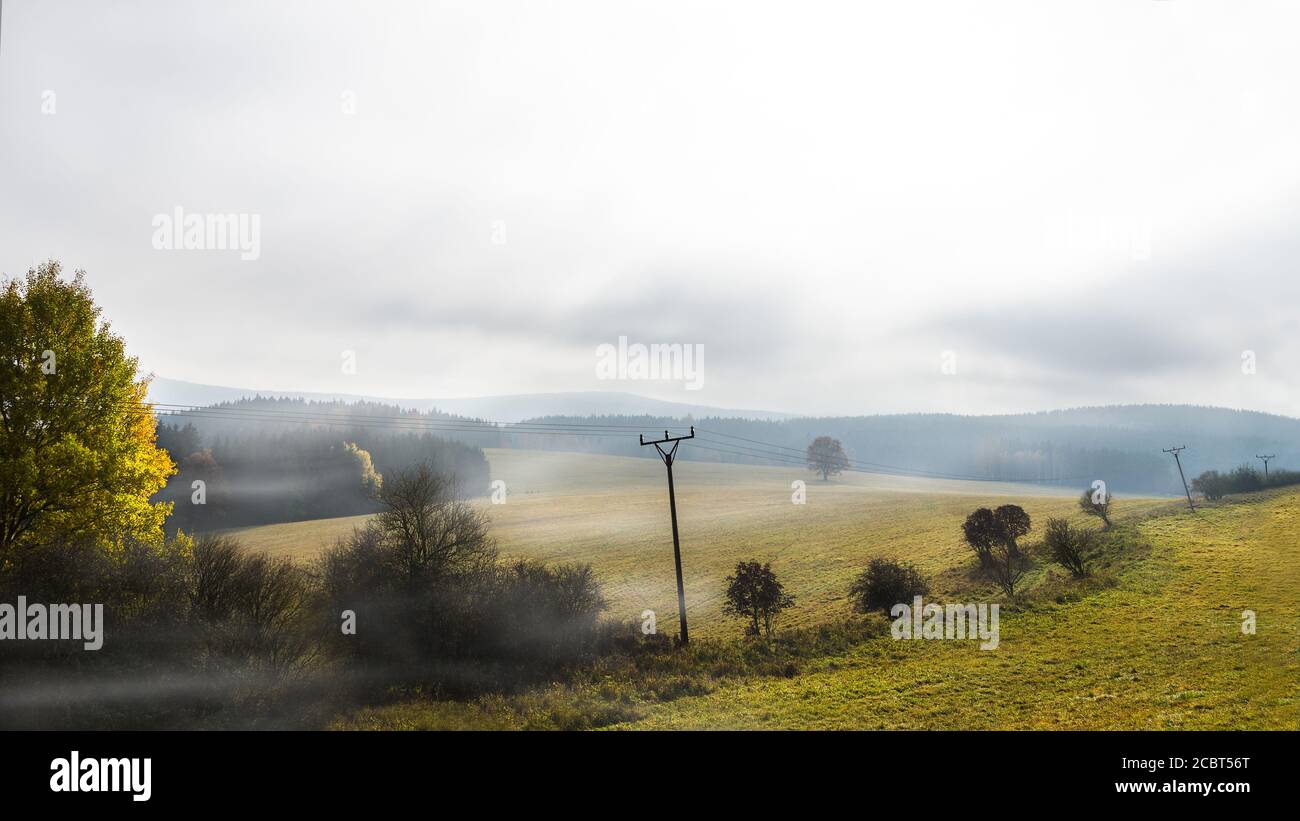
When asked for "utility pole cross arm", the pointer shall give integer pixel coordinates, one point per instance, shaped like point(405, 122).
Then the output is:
point(1179, 462)
point(1266, 458)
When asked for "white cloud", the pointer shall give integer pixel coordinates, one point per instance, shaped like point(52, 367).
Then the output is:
point(827, 196)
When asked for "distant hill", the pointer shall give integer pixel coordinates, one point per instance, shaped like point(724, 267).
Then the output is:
point(510, 408)
point(1066, 448)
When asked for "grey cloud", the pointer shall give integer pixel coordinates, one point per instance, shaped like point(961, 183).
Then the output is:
point(650, 308)
point(1083, 339)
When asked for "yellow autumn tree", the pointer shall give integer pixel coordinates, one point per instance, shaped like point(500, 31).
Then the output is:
point(77, 441)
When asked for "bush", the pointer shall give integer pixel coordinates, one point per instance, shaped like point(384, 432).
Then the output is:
point(1096, 503)
point(1244, 479)
point(1068, 546)
point(480, 628)
point(1211, 484)
point(886, 583)
point(190, 629)
point(434, 605)
point(247, 610)
point(1280, 478)
point(539, 613)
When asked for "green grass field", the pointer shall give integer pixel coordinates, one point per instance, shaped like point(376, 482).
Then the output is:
point(1161, 650)
point(1154, 640)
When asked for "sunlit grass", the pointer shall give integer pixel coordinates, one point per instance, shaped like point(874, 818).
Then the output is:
point(1162, 649)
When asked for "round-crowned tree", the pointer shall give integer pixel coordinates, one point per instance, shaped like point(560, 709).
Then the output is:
point(826, 456)
point(754, 594)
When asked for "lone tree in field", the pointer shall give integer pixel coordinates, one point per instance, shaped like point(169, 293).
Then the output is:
point(826, 456)
point(1096, 503)
point(993, 535)
point(755, 594)
point(77, 440)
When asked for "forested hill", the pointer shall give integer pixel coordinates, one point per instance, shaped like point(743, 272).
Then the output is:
point(1121, 444)
point(282, 460)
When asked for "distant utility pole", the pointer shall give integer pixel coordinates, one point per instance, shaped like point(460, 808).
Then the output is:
point(1266, 458)
point(1174, 451)
point(667, 457)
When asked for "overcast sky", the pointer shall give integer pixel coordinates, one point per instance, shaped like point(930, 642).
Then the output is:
point(1084, 203)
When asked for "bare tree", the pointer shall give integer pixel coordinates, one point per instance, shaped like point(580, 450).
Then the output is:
point(1067, 546)
point(1007, 567)
point(431, 532)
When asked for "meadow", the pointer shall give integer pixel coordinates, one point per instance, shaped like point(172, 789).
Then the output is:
point(1152, 640)
point(612, 512)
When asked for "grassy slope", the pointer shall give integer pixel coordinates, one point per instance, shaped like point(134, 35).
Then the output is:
point(613, 513)
point(1162, 649)
point(1155, 643)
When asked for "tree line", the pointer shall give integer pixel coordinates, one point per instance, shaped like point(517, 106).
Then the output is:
point(1121, 444)
point(1214, 485)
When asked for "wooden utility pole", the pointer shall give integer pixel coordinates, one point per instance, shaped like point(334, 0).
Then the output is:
point(1266, 458)
point(667, 456)
point(1178, 462)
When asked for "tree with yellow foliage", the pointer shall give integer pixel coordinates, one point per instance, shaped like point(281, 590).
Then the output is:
point(78, 457)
